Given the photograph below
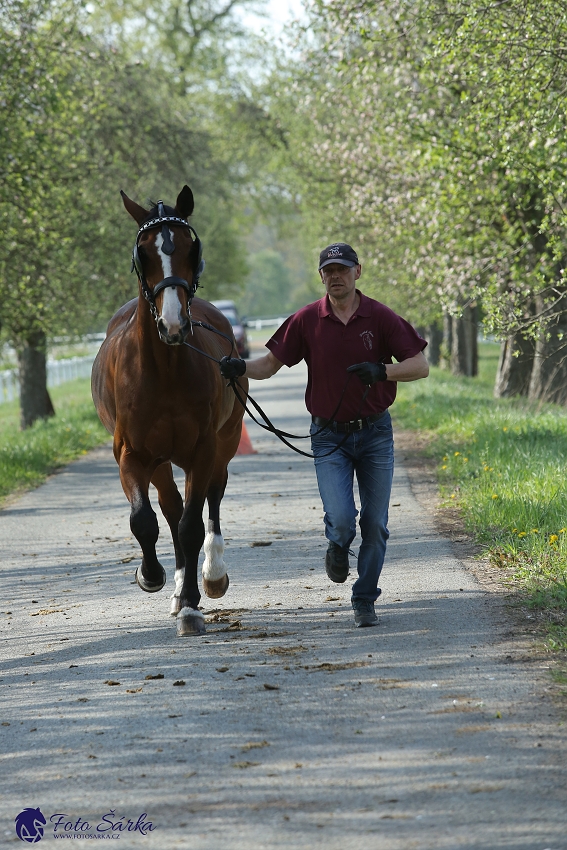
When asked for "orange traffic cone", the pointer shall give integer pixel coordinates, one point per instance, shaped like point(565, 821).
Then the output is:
point(245, 446)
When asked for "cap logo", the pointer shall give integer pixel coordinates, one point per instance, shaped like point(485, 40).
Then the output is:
point(334, 252)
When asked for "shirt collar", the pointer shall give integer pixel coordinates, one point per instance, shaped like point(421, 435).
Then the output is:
point(364, 308)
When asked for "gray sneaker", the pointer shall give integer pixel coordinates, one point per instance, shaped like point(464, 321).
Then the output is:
point(336, 563)
point(364, 613)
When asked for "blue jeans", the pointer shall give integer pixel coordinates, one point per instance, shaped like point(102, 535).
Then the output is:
point(370, 454)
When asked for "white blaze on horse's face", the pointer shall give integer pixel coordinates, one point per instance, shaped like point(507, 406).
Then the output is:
point(171, 306)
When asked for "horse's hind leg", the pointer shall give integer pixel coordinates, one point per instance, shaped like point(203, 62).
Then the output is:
point(215, 577)
point(150, 575)
point(171, 505)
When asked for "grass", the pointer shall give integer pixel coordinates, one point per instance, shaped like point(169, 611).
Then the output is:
point(28, 457)
point(503, 463)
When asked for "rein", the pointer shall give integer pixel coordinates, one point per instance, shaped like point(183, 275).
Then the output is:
point(214, 330)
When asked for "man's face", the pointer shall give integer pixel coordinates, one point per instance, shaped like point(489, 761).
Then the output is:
point(339, 280)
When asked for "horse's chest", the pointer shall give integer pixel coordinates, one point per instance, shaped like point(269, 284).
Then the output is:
point(162, 429)
point(170, 411)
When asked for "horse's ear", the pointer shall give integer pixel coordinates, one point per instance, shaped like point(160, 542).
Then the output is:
point(185, 204)
point(137, 212)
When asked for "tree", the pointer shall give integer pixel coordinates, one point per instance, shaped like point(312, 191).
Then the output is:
point(42, 155)
point(72, 110)
point(193, 39)
point(434, 130)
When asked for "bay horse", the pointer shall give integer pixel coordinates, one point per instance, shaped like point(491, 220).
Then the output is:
point(165, 403)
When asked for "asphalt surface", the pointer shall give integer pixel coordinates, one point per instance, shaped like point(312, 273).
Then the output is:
point(284, 726)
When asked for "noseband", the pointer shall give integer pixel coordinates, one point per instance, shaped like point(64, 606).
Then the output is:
point(168, 247)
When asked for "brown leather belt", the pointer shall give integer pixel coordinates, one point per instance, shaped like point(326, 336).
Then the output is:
point(347, 427)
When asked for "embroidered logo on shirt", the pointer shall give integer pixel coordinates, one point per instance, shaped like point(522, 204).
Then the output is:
point(367, 337)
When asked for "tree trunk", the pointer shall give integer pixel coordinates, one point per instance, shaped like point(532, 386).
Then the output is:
point(434, 336)
point(549, 374)
point(514, 367)
point(464, 349)
point(447, 344)
point(35, 402)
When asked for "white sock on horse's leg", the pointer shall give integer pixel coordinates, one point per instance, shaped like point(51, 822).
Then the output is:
point(214, 566)
point(215, 578)
point(176, 595)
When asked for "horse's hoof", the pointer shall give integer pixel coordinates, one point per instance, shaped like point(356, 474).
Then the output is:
point(175, 606)
point(216, 588)
point(149, 586)
point(190, 621)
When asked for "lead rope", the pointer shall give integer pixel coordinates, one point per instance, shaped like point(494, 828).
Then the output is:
point(280, 434)
point(269, 426)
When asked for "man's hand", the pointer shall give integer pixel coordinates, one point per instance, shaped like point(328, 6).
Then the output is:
point(369, 373)
point(232, 367)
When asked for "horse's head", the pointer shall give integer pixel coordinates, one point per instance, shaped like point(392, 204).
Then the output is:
point(167, 260)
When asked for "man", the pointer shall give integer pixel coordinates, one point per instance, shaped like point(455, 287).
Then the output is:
point(348, 341)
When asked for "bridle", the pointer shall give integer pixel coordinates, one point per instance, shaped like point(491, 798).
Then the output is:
point(168, 247)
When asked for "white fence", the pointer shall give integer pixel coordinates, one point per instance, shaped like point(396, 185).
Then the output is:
point(58, 372)
point(258, 324)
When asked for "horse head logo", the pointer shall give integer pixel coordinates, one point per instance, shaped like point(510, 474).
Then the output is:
point(367, 337)
point(29, 825)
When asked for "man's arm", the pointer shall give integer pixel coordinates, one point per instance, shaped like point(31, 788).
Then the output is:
point(407, 370)
point(263, 367)
point(412, 369)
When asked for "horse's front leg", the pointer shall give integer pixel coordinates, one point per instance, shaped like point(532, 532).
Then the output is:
point(215, 576)
point(135, 479)
point(190, 621)
point(171, 505)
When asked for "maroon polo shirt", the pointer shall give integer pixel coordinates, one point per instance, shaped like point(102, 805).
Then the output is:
point(373, 333)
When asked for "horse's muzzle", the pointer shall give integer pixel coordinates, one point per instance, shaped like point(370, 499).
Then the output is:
point(173, 338)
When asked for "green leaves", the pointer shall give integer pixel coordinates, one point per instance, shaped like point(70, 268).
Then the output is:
point(79, 120)
point(433, 135)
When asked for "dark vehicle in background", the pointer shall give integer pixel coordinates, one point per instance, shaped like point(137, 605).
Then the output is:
point(231, 313)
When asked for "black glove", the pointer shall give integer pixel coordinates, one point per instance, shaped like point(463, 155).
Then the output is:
point(232, 367)
point(369, 373)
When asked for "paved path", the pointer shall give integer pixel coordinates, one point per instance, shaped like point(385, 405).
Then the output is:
point(293, 729)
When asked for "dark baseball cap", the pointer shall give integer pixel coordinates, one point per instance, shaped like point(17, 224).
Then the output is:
point(338, 252)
